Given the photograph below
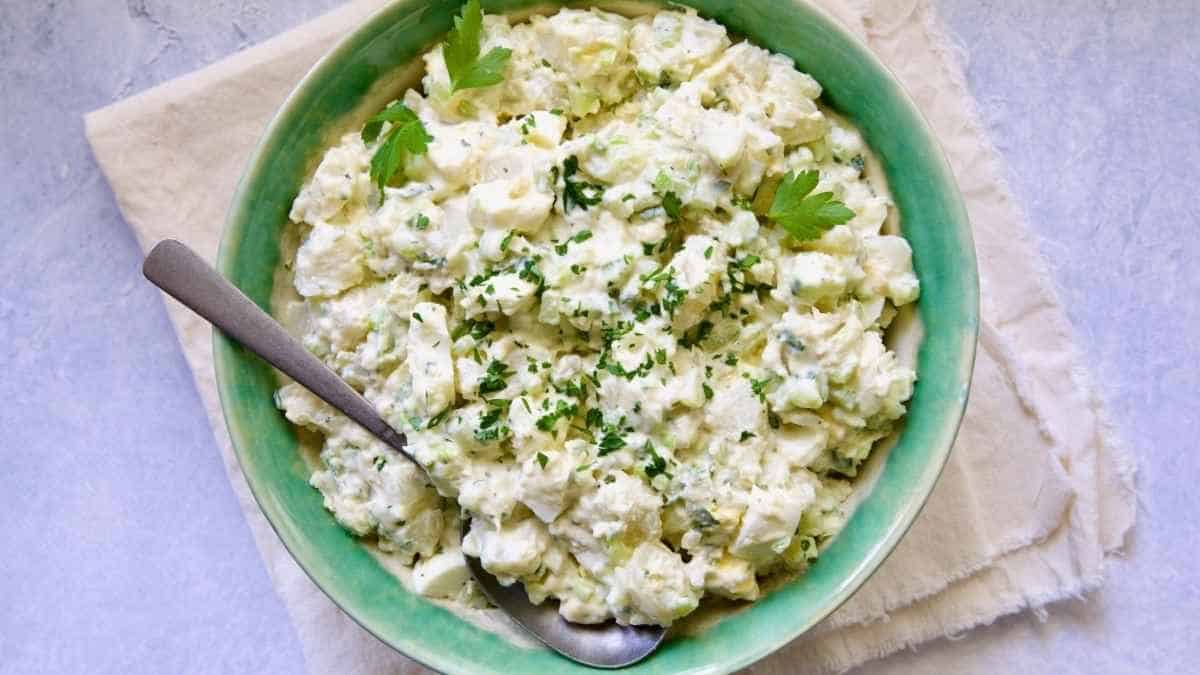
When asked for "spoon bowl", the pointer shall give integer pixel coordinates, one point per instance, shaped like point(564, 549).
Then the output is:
point(601, 645)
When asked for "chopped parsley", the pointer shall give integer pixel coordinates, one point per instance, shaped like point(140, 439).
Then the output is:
point(437, 419)
point(578, 193)
point(746, 263)
point(529, 271)
point(594, 418)
point(528, 124)
point(759, 387)
point(742, 203)
point(659, 275)
point(575, 389)
point(489, 427)
point(672, 205)
point(611, 334)
point(578, 238)
point(610, 441)
point(674, 296)
point(542, 459)
point(642, 311)
point(495, 378)
point(562, 410)
point(643, 369)
point(697, 334)
point(475, 328)
point(657, 464)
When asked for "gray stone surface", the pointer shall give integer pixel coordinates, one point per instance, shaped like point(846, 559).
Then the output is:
point(123, 547)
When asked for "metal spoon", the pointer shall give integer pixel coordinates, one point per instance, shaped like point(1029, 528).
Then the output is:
point(176, 269)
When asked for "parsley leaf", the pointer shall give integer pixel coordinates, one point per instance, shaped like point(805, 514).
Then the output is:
point(578, 193)
point(466, 68)
point(407, 136)
point(542, 459)
point(672, 205)
point(806, 216)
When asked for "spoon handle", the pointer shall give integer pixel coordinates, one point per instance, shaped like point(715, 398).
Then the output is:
point(176, 269)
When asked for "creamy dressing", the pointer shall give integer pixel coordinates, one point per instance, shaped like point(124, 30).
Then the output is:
point(548, 358)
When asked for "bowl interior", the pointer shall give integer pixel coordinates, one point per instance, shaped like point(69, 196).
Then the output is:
point(361, 72)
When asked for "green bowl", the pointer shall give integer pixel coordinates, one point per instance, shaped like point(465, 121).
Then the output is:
point(359, 74)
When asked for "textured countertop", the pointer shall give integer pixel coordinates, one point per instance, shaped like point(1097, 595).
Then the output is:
point(123, 547)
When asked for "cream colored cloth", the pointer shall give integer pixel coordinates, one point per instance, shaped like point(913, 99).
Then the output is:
point(1036, 494)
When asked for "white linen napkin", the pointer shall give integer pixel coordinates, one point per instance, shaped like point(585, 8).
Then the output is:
point(1037, 493)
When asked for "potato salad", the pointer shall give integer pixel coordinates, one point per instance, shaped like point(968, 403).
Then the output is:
point(623, 283)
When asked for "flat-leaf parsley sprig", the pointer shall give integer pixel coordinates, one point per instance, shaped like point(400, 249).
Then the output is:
point(466, 68)
point(806, 216)
point(406, 136)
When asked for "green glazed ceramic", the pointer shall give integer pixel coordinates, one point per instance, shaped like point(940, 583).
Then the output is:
point(358, 75)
